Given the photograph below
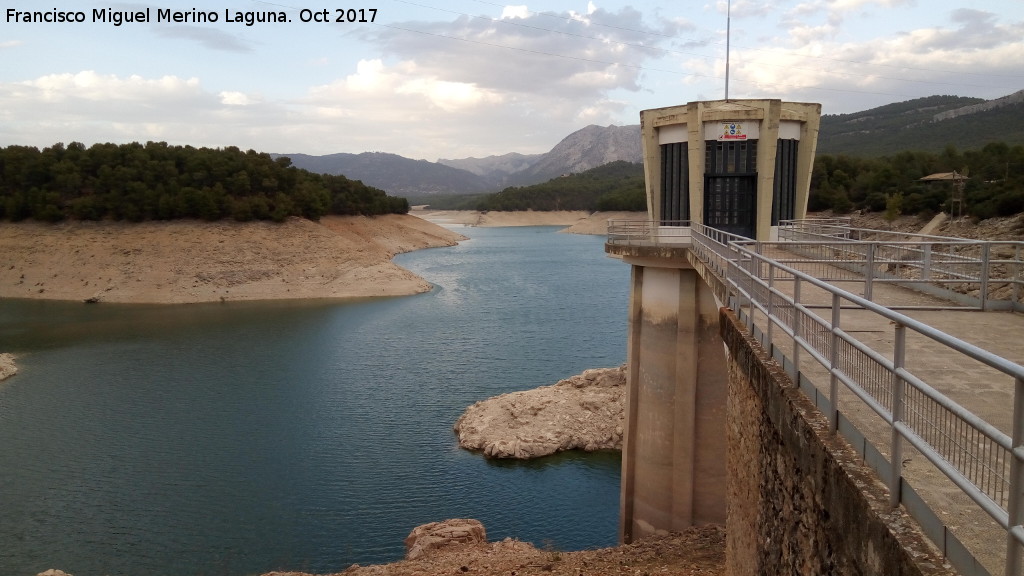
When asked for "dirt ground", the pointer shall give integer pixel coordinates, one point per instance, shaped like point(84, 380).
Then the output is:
point(1010, 228)
point(190, 261)
point(576, 221)
point(695, 552)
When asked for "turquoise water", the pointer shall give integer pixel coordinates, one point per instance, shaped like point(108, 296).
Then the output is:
point(241, 438)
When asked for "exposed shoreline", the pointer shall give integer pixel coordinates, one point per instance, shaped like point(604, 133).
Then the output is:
point(187, 261)
point(574, 221)
point(190, 261)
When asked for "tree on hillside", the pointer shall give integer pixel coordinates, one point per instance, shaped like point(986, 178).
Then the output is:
point(996, 188)
point(156, 181)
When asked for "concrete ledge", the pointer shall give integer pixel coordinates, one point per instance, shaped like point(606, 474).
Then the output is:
point(801, 501)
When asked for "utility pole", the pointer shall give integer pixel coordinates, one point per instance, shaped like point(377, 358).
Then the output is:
point(728, 36)
point(957, 209)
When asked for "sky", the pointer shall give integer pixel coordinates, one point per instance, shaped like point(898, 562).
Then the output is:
point(430, 79)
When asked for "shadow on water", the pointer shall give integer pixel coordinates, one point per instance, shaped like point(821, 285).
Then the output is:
point(604, 461)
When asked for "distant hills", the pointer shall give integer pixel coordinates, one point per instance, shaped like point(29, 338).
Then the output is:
point(398, 175)
point(924, 124)
point(582, 150)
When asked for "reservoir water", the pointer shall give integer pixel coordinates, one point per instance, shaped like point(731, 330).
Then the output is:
point(241, 438)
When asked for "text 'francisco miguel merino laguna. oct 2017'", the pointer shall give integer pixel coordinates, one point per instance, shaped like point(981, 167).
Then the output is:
point(162, 15)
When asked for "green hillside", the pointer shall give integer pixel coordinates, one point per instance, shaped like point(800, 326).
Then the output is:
point(995, 184)
point(910, 126)
point(614, 186)
point(156, 181)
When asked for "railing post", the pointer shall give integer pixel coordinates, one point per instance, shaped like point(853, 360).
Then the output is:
point(985, 271)
point(1017, 275)
point(797, 322)
point(1015, 505)
point(771, 309)
point(833, 385)
point(750, 295)
point(926, 268)
point(869, 272)
point(899, 358)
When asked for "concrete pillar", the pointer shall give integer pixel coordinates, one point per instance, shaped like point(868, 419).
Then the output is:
point(673, 465)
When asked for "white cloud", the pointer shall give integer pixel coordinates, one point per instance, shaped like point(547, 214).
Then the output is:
point(511, 12)
point(975, 56)
point(88, 85)
point(501, 87)
point(449, 96)
point(237, 99)
point(207, 37)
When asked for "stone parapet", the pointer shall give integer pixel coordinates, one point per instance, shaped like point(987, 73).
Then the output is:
point(800, 499)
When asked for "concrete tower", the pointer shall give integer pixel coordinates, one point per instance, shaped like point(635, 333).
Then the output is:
point(740, 166)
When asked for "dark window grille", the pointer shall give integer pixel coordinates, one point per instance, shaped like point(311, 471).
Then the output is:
point(730, 186)
point(675, 182)
point(784, 196)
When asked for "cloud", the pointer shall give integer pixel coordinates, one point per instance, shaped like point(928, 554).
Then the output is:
point(90, 107)
point(208, 37)
point(533, 54)
point(836, 10)
point(370, 109)
point(90, 86)
point(237, 99)
point(974, 54)
point(515, 12)
point(467, 87)
point(10, 44)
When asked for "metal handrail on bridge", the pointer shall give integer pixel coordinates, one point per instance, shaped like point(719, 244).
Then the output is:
point(981, 460)
point(985, 275)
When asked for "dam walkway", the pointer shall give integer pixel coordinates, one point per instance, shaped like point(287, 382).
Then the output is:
point(911, 345)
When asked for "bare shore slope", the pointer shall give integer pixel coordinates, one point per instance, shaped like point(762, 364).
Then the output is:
point(575, 221)
point(191, 261)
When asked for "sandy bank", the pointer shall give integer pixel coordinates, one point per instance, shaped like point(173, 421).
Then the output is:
point(191, 261)
point(7, 366)
point(500, 219)
point(597, 223)
point(584, 412)
point(575, 221)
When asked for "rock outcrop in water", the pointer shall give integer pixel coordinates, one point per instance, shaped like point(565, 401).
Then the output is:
point(584, 412)
point(428, 537)
point(7, 366)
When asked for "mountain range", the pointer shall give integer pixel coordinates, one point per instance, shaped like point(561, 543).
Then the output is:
point(924, 124)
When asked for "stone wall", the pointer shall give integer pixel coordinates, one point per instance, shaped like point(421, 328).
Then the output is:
point(800, 500)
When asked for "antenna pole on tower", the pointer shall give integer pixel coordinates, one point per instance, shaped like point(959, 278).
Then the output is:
point(728, 34)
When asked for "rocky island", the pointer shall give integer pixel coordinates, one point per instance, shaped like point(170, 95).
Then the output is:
point(583, 412)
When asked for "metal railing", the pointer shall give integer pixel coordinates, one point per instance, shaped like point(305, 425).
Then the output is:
point(984, 462)
point(649, 232)
point(985, 275)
